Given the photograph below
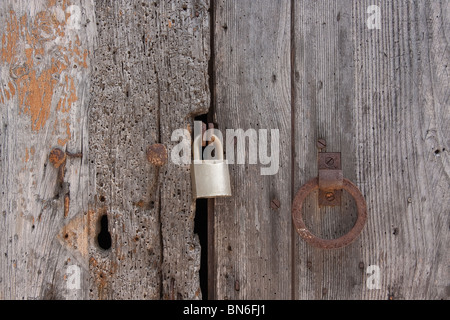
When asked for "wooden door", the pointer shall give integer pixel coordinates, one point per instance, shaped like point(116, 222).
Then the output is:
point(107, 79)
point(93, 207)
point(377, 91)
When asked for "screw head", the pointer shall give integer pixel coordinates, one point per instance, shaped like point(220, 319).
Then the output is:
point(275, 204)
point(321, 143)
point(329, 162)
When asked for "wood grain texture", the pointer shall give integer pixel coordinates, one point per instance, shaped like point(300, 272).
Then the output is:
point(44, 92)
point(150, 79)
point(378, 96)
point(108, 79)
point(123, 122)
point(184, 93)
point(252, 91)
point(324, 108)
point(381, 98)
point(402, 88)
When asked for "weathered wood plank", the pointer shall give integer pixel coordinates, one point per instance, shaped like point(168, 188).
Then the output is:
point(182, 67)
point(381, 98)
point(123, 122)
point(108, 79)
point(252, 91)
point(45, 64)
point(150, 78)
point(402, 132)
point(324, 104)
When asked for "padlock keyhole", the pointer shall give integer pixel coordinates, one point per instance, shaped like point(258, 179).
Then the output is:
point(104, 237)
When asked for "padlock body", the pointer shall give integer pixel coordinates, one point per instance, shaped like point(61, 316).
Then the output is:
point(210, 179)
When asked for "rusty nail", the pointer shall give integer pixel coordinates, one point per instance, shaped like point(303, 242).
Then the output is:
point(74, 155)
point(330, 196)
point(66, 204)
point(237, 285)
point(324, 291)
point(57, 157)
point(309, 265)
point(275, 204)
point(361, 265)
point(157, 155)
point(321, 143)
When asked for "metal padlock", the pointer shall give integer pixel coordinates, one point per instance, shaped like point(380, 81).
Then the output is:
point(210, 178)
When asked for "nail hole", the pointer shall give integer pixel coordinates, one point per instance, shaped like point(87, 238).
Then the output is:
point(104, 237)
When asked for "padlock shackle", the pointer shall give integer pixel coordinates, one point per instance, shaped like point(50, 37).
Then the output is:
point(197, 147)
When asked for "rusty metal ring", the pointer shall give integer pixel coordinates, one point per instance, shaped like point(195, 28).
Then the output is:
point(343, 241)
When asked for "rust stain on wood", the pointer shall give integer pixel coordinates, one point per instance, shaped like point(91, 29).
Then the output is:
point(40, 54)
point(57, 157)
point(157, 155)
point(74, 235)
point(66, 205)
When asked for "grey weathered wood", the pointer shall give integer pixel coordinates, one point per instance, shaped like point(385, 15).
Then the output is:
point(324, 108)
point(44, 92)
point(381, 98)
point(123, 121)
point(182, 67)
point(402, 127)
point(108, 79)
point(252, 91)
point(378, 96)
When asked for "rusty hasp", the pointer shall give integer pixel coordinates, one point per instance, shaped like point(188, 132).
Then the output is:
point(330, 183)
point(330, 179)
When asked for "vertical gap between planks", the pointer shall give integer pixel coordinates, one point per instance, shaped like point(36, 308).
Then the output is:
point(211, 117)
point(292, 80)
point(211, 256)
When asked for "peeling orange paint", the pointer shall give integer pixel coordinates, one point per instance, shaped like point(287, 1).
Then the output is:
point(39, 67)
point(29, 152)
point(10, 38)
point(11, 88)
